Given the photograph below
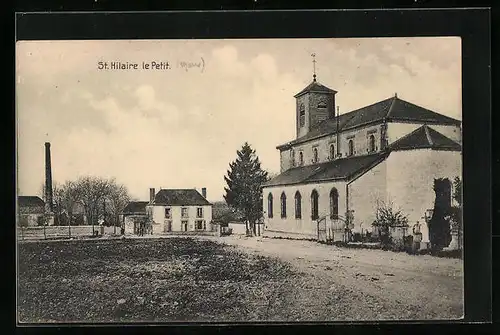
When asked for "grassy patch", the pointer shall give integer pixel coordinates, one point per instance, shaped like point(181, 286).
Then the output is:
point(174, 279)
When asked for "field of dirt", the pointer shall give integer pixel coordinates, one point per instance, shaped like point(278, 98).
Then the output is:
point(229, 279)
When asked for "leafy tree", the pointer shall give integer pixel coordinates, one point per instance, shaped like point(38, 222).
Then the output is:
point(439, 225)
point(244, 180)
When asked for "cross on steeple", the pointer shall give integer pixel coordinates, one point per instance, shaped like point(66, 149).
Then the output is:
point(314, 66)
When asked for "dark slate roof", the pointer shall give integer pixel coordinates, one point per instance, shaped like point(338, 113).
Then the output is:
point(392, 109)
point(180, 197)
point(315, 87)
point(339, 169)
point(30, 201)
point(135, 207)
point(425, 137)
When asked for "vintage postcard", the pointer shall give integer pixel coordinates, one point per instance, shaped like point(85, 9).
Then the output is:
point(239, 180)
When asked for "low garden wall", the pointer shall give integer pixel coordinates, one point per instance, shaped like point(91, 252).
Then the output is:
point(62, 231)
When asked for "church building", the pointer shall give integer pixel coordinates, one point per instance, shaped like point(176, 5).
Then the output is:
point(341, 167)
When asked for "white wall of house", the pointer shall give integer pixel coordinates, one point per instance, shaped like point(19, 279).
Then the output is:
point(396, 130)
point(176, 222)
point(364, 195)
point(305, 225)
point(410, 180)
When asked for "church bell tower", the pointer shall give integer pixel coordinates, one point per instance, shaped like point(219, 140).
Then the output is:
point(314, 104)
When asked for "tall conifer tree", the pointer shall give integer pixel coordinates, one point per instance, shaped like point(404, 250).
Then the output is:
point(244, 180)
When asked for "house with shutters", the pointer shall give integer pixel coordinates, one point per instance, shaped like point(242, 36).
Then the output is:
point(341, 167)
point(179, 210)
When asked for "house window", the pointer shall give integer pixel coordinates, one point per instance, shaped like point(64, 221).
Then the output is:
point(168, 213)
point(184, 212)
point(301, 158)
point(351, 148)
point(168, 225)
point(199, 212)
point(314, 205)
point(334, 204)
point(298, 205)
point(315, 155)
point(184, 225)
point(332, 151)
point(302, 115)
point(270, 206)
point(198, 225)
point(283, 205)
point(371, 144)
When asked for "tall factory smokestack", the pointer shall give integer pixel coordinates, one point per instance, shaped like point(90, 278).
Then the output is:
point(48, 179)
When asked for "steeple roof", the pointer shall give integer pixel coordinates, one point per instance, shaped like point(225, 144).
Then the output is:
point(314, 86)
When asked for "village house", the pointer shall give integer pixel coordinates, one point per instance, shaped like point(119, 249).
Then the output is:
point(179, 210)
point(31, 210)
point(340, 168)
point(132, 215)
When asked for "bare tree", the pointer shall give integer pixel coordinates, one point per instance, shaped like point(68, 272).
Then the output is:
point(92, 192)
point(71, 195)
point(118, 198)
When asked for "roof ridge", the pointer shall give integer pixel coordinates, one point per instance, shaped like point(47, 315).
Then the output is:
point(428, 135)
point(405, 136)
point(394, 98)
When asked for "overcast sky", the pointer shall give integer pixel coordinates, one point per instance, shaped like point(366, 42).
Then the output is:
point(181, 129)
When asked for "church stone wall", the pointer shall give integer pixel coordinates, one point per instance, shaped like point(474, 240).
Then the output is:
point(360, 136)
point(410, 179)
point(305, 226)
point(365, 193)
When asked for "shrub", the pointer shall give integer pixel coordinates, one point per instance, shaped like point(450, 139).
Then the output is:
point(386, 218)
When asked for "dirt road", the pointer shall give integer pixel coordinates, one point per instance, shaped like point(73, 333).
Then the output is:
point(365, 284)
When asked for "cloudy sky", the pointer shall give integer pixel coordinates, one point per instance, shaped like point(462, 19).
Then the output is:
point(181, 128)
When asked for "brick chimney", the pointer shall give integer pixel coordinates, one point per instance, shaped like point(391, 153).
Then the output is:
point(204, 192)
point(152, 194)
point(48, 179)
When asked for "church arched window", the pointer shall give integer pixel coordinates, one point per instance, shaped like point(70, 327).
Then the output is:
point(334, 203)
point(301, 158)
point(314, 205)
point(351, 148)
point(315, 155)
point(332, 151)
point(298, 205)
point(270, 205)
point(322, 104)
point(283, 205)
point(371, 144)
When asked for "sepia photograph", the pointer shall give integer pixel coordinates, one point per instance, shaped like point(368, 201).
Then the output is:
point(239, 180)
